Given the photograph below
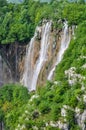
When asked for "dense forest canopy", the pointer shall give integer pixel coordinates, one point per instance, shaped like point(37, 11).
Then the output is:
point(18, 21)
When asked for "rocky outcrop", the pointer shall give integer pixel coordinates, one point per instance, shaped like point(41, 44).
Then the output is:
point(73, 77)
point(5, 73)
point(52, 55)
point(13, 60)
point(55, 41)
point(14, 54)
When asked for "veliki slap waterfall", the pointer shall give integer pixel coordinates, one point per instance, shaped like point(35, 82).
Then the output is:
point(43, 53)
point(42, 64)
point(31, 69)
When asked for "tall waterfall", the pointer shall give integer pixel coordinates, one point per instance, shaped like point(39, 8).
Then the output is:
point(65, 40)
point(31, 73)
point(28, 69)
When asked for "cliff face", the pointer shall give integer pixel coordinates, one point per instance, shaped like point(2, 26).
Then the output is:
point(44, 52)
point(12, 60)
point(62, 103)
point(5, 73)
point(17, 59)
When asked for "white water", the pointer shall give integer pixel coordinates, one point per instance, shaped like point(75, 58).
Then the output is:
point(31, 74)
point(64, 45)
point(28, 70)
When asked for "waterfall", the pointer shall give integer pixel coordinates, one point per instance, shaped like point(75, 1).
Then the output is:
point(28, 70)
point(65, 40)
point(32, 69)
point(43, 54)
point(31, 73)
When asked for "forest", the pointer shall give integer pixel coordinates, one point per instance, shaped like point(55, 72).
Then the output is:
point(18, 21)
point(38, 110)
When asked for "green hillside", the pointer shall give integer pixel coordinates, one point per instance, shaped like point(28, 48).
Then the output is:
point(58, 103)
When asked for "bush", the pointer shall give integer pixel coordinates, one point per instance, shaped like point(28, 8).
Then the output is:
point(13, 97)
point(55, 111)
point(44, 107)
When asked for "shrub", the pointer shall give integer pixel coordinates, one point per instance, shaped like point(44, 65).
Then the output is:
point(44, 107)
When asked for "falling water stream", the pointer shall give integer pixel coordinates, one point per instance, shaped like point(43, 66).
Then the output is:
point(28, 70)
point(31, 74)
point(43, 54)
point(65, 40)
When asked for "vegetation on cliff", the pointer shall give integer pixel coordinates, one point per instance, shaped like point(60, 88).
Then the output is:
point(59, 103)
point(18, 21)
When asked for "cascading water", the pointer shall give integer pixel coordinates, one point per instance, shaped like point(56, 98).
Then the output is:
point(28, 70)
point(31, 73)
point(43, 54)
point(64, 45)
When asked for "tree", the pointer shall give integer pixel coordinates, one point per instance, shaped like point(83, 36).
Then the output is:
point(3, 3)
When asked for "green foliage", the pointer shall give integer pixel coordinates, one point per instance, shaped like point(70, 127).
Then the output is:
point(72, 121)
point(77, 13)
point(1, 115)
point(3, 3)
point(12, 97)
point(17, 23)
point(44, 107)
point(76, 49)
point(12, 92)
point(55, 111)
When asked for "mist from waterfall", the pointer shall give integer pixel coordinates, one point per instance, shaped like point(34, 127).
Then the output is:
point(65, 40)
point(31, 73)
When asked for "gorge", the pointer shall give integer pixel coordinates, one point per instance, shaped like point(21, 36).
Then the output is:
point(43, 65)
point(32, 70)
point(43, 49)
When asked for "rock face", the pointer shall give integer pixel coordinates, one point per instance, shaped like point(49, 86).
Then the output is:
point(54, 45)
point(81, 118)
point(44, 52)
point(14, 54)
point(5, 73)
point(52, 54)
point(73, 77)
point(12, 58)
